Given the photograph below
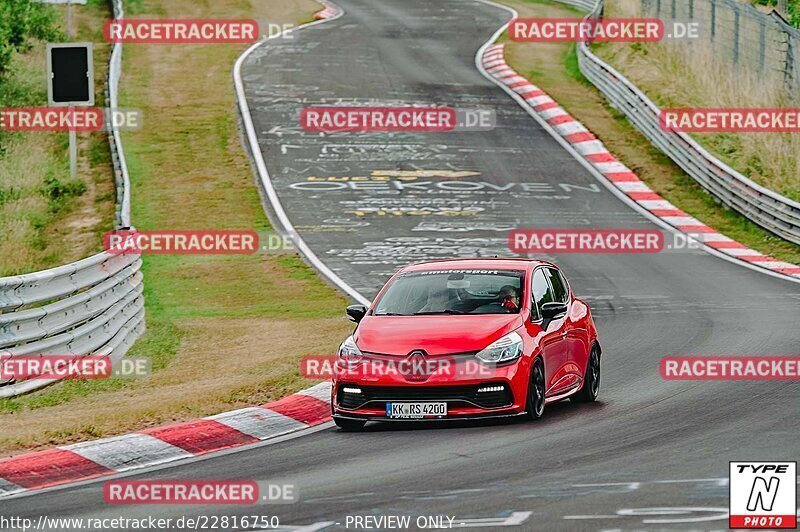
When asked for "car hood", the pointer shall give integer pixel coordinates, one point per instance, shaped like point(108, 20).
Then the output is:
point(437, 335)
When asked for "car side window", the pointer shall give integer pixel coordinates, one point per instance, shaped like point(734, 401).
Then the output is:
point(559, 288)
point(541, 293)
point(565, 283)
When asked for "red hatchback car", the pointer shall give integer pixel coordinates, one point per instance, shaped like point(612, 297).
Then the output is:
point(466, 338)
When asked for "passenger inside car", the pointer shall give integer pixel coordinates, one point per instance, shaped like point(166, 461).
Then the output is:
point(438, 300)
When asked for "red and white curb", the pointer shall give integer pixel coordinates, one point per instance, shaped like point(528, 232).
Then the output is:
point(587, 145)
point(330, 11)
point(154, 446)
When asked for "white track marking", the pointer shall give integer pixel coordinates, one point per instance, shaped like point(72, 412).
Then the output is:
point(260, 423)
point(266, 181)
point(129, 451)
point(321, 391)
point(526, 105)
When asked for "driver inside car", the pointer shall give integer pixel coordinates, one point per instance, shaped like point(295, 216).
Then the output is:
point(509, 298)
point(507, 302)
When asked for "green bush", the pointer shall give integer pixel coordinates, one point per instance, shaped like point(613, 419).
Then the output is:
point(22, 21)
point(59, 192)
point(793, 10)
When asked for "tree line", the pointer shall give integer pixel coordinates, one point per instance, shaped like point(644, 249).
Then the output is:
point(21, 23)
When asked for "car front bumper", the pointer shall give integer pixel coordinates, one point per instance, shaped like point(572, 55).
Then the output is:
point(462, 395)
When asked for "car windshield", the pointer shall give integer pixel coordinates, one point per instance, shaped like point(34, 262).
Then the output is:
point(452, 292)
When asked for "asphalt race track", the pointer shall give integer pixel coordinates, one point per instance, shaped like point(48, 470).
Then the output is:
point(649, 455)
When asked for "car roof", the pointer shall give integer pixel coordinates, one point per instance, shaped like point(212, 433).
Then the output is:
point(511, 263)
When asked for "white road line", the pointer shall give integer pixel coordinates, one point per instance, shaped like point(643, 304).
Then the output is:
point(263, 174)
point(515, 519)
point(581, 517)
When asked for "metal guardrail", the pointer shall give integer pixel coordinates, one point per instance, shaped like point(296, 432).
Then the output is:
point(92, 306)
point(123, 183)
point(756, 44)
point(768, 209)
point(585, 5)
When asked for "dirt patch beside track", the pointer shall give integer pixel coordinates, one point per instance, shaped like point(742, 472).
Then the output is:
point(223, 331)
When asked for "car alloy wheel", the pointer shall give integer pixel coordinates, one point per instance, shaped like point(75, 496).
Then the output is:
point(595, 373)
point(536, 391)
point(591, 381)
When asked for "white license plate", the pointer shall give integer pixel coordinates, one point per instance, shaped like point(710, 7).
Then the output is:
point(415, 410)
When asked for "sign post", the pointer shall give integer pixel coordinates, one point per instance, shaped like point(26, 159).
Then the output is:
point(70, 83)
point(73, 154)
point(69, 19)
point(73, 136)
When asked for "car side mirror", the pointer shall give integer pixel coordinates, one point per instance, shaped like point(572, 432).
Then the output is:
point(356, 312)
point(553, 310)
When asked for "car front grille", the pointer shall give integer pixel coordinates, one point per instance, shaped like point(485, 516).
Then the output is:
point(378, 396)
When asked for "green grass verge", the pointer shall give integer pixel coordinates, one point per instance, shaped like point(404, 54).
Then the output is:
point(189, 172)
point(43, 211)
point(554, 68)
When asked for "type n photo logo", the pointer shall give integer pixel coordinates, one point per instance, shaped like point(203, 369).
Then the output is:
point(763, 495)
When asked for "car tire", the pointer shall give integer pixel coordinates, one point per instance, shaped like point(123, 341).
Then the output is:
point(536, 391)
point(591, 380)
point(349, 425)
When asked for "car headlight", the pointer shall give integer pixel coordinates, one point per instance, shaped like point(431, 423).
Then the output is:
point(507, 348)
point(349, 351)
